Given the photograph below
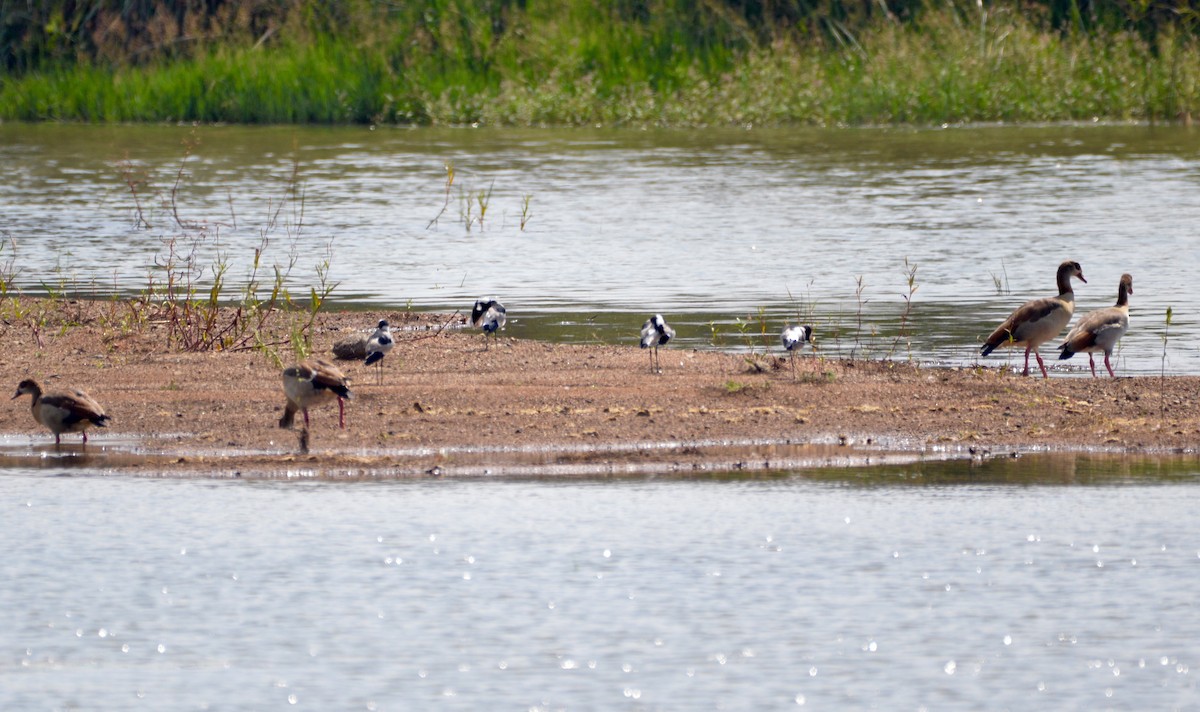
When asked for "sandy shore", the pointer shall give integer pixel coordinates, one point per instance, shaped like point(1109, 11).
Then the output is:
point(447, 407)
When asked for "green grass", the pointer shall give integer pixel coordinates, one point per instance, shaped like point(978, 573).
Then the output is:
point(584, 63)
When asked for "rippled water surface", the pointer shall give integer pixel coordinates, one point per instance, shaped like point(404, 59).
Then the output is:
point(705, 226)
point(1044, 583)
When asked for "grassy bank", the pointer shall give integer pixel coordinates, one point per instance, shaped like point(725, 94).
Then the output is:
point(580, 63)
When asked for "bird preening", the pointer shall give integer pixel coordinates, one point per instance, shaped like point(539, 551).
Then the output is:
point(655, 333)
point(69, 411)
point(489, 315)
point(378, 346)
point(1100, 330)
point(1039, 320)
point(793, 339)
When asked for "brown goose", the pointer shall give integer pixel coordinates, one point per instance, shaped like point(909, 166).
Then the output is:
point(70, 411)
point(312, 383)
point(1039, 320)
point(1101, 329)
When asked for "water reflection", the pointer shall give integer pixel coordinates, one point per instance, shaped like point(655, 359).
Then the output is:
point(1013, 468)
point(98, 455)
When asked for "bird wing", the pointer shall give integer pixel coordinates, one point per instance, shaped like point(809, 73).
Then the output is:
point(75, 406)
point(649, 333)
point(326, 376)
point(379, 341)
point(1099, 329)
point(1026, 317)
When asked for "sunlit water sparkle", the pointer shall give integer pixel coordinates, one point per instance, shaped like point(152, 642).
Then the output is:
point(127, 593)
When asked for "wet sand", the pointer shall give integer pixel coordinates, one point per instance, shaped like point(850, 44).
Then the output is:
point(448, 407)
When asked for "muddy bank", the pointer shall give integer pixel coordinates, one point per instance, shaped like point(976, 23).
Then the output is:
point(448, 407)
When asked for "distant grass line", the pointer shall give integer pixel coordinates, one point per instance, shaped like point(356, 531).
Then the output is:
point(945, 67)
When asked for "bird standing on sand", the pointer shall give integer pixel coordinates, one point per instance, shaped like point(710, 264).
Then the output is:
point(1037, 321)
point(1101, 329)
point(378, 345)
point(70, 411)
point(655, 333)
point(489, 315)
point(312, 383)
point(793, 338)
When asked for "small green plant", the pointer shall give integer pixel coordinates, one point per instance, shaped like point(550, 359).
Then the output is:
point(910, 277)
point(526, 212)
point(1162, 373)
point(1001, 285)
point(859, 287)
point(818, 377)
point(8, 271)
point(446, 196)
point(483, 198)
point(191, 292)
point(732, 387)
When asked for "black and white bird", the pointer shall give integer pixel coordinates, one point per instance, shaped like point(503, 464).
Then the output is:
point(312, 383)
point(69, 411)
point(489, 315)
point(378, 345)
point(793, 339)
point(655, 333)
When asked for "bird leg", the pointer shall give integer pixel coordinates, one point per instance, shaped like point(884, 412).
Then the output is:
point(341, 414)
point(305, 411)
point(1041, 364)
point(1026, 371)
point(793, 360)
point(1092, 363)
point(84, 434)
point(1108, 365)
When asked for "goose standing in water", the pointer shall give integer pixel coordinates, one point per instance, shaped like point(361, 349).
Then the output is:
point(793, 338)
point(70, 411)
point(489, 315)
point(1039, 320)
point(378, 345)
point(313, 383)
point(655, 333)
point(1101, 329)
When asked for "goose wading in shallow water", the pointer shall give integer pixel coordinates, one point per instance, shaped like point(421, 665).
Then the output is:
point(312, 383)
point(1101, 330)
point(489, 315)
point(655, 333)
point(69, 411)
point(378, 345)
point(1039, 320)
point(793, 339)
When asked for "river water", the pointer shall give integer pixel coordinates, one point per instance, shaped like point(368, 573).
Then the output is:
point(1044, 582)
point(1060, 583)
point(586, 232)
